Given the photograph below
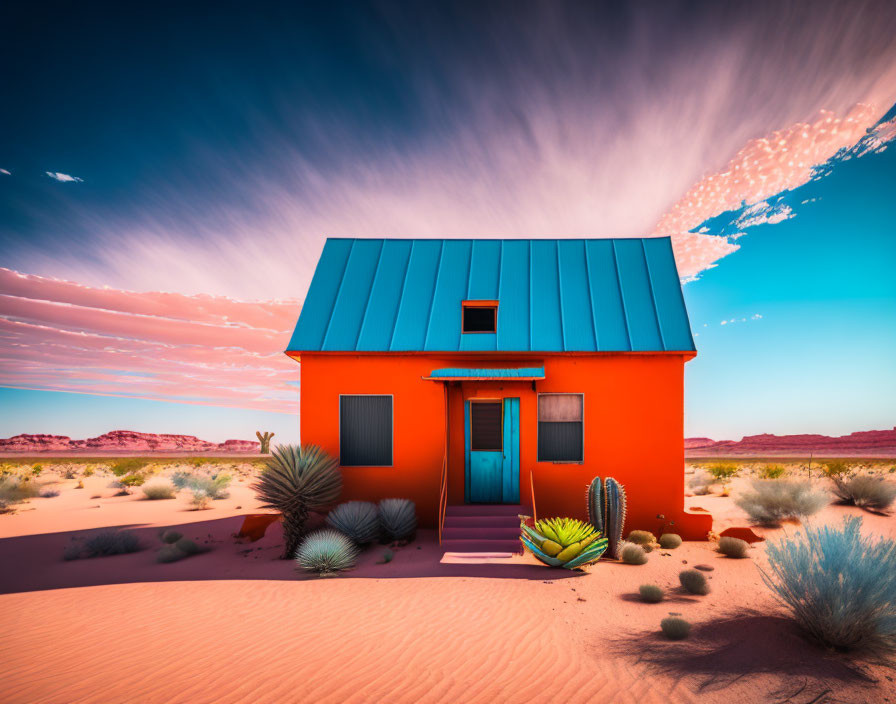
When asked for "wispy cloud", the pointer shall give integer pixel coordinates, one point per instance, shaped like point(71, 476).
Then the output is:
point(732, 321)
point(64, 178)
point(4, 171)
point(61, 336)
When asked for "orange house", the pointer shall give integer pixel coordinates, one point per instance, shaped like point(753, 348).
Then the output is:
point(500, 375)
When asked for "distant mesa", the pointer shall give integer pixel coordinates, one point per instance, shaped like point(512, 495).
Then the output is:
point(126, 441)
point(867, 443)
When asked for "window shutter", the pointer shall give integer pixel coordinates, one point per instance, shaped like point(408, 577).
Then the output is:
point(365, 431)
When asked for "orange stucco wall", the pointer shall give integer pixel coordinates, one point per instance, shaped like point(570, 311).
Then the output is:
point(633, 429)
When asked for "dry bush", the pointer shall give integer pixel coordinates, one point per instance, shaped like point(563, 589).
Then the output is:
point(770, 501)
point(733, 547)
point(864, 491)
point(694, 582)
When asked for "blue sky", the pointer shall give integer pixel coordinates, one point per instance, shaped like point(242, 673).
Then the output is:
point(167, 179)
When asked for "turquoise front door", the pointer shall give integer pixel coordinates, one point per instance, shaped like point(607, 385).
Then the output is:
point(492, 445)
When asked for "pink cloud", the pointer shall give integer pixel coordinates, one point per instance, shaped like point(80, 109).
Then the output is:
point(62, 336)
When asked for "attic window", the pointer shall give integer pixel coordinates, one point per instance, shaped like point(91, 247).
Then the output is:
point(480, 316)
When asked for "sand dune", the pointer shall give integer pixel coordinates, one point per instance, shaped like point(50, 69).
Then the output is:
point(238, 625)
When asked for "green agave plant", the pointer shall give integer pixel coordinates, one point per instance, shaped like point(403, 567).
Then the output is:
point(564, 542)
point(326, 552)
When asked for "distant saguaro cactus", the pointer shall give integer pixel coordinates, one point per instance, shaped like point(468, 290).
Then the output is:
point(265, 441)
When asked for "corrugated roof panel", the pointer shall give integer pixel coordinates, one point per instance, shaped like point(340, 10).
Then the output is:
point(578, 323)
point(553, 295)
point(637, 296)
point(513, 296)
point(382, 306)
point(606, 296)
point(671, 310)
point(354, 293)
point(416, 296)
point(318, 306)
point(544, 297)
point(443, 332)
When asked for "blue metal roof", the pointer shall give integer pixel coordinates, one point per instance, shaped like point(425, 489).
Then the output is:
point(465, 373)
point(565, 295)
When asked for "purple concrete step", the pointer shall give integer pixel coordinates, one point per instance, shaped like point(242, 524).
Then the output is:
point(482, 546)
point(486, 510)
point(479, 533)
point(481, 522)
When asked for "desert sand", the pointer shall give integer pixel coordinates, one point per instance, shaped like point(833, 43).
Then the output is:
point(237, 624)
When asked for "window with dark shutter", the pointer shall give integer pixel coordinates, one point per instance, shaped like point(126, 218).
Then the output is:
point(486, 427)
point(365, 431)
point(560, 428)
point(480, 317)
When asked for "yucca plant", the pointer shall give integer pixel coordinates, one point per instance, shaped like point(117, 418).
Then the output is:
point(357, 520)
point(398, 518)
point(326, 552)
point(563, 542)
point(297, 479)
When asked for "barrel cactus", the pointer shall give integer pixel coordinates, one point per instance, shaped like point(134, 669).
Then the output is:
point(615, 512)
point(326, 552)
point(564, 542)
point(596, 501)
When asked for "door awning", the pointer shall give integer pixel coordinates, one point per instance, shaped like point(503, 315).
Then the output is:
point(464, 374)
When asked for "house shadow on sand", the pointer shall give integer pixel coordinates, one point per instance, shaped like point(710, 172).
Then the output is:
point(39, 565)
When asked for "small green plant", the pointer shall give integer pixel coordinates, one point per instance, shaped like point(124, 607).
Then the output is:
point(359, 520)
point(770, 501)
point(670, 541)
point(651, 593)
point(694, 582)
point(733, 547)
point(213, 486)
point(326, 552)
point(839, 585)
point(723, 473)
point(836, 469)
point(158, 491)
point(771, 471)
point(633, 554)
point(398, 518)
point(864, 491)
point(37, 469)
point(88, 472)
point(387, 557)
point(128, 465)
point(563, 542)
point(675, 628)
point(132, 480)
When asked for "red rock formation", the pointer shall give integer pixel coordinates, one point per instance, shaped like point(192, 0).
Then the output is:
point(126, 441)
point(868, 443)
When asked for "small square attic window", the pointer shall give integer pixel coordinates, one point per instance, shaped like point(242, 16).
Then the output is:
point(480, 316)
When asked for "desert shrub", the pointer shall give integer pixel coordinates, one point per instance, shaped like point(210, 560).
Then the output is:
point(200, 501)
point(700, 483)
point(398, 518)
point(159, 490)
point(835, 468)
point(111, 542)
point(213, 486)
point(632, 554)
point(675, 628)
point(187, 546)
point(651, 593)
point(771, 471)
point(88, 472)
point(295, 480)
point(130, 480)
point(14, 489)
point(723, 472)
point(48, 492)
point(128, 465)
point(326, 551)
point(733, 547)
point(169, 553)
point(865, 492)
point(670, 541)
point(170, 536)
point(359, 520)
point(37, 469)
point(839, 585)
point(770, 501)
point(72, 552)
point(694, 582)
point(69, 473)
